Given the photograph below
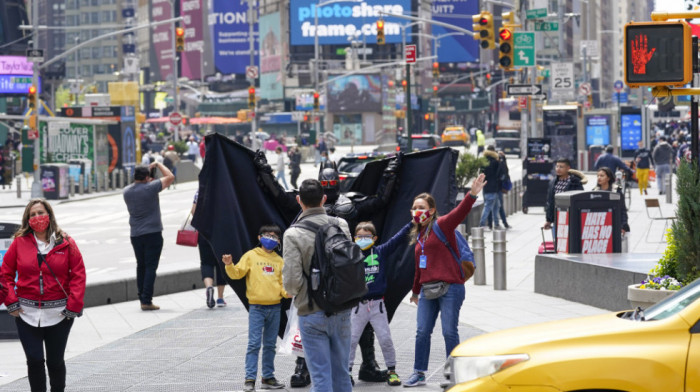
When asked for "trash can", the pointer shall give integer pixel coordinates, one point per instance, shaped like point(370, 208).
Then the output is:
point(588, 222)
point(8, 330)
point(54, 181)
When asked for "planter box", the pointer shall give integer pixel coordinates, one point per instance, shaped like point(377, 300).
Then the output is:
point(644, 298)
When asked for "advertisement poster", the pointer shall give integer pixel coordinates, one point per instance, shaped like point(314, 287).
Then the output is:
point(162, 37)
point(631, 131)
point(355, 93)
point(538, 150)
point(455, 48)
point(562, 231)
point(192, 14)
point(271, 55)
point(596, 232)
point(348, 134)
point(229, 20)
point(304, 101)
point(64, 141)
point(337, 22)
point(16, 65)
point(560, 125)
point(598, 130)
point(508, 113)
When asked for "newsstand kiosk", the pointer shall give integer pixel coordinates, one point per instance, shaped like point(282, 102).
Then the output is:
point(588, 222)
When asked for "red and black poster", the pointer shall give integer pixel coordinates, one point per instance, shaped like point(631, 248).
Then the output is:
point(596, 232)
point(562, 231)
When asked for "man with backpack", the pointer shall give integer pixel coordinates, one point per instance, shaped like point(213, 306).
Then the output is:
point(324, 313)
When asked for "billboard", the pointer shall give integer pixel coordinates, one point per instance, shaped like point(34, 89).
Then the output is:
point(455, 48)
point(162, 37)
point(15, 65)
point(598, 130)
point(337, 22)
point(230, 35)
point(355, 93)
point(192, 14)
point(631, 131)
point(16, 84)
point(271, 55)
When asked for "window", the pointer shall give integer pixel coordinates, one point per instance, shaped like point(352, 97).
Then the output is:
point(96, 52)
point(95, 17)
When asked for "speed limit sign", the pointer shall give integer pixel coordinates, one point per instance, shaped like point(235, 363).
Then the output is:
point(562, 79)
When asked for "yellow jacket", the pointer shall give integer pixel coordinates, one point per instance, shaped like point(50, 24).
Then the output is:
point(263, 276)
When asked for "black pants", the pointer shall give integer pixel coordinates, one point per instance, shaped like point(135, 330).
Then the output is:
point(295, 172)
point(209, 265)
point(147, 249)
point(33, 341)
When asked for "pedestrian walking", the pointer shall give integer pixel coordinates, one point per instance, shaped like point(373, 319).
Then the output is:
point(609, 160)
point(192, 149)
point(44, 277)
point(280, 167)
point(262, 268)
point(662, 156)
point(326, 338)
point(143, 204)
point(209, 268)
point(372, 310)
point(480, 141)
point(294, 165)
point(492, 190)
point(564, 181)
point(504, 185)
point(643, 161)
point(435, 267)
point(170, 160)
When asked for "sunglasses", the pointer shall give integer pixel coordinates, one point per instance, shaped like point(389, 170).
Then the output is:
point(331, 183)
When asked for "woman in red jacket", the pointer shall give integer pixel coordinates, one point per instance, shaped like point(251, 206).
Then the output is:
point(435, 264)
point(48, 293)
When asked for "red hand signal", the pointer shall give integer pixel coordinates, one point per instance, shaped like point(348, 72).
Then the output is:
point(640, 55)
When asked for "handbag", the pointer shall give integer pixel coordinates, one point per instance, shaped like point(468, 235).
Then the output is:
point(435, 290)
point(185, 236)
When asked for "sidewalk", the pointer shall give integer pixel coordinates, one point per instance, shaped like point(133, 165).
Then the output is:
point(187, 347)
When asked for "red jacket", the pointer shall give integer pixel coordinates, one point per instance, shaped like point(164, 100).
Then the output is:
point(3, 292)
point(66, 262)
point(441, 265)
point(202, 149)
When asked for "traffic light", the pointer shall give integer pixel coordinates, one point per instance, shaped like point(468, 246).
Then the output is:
point(436, 70)
point(508, 18)
point(251, 98)
point(179, 39)
point(505, 48)
point(317, 103)
point(658, 54)
point(381, 40)
point(483, 29)
point(488, 79)
point(435, 91)
point(427, 117)
point(404, 84)
point(31, 98)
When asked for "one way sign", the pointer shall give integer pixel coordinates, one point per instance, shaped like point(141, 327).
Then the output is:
point(524, 89)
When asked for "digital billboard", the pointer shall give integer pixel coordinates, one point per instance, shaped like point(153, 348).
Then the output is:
point(355, 93)
point(337, 22)
point(455, 48)
point(230, 35)
point(631, 132)
point(598, 130)
point(271, 55)
point(192, 20)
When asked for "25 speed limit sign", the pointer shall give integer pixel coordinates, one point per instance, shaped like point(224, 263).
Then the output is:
point(562, 80)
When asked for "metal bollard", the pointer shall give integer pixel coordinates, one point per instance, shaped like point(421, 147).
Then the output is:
point(81, 184)
point(668, 186)
point(106, 181)
point(71, 186)
point(18, 181)
point(89, 184)
point(479, 257)
point(121, 179)
point(499, 259)
point(625, 243)
point(507, 204)
point(113, 185)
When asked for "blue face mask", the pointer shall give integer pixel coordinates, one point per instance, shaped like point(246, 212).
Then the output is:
point(268, 243)
point(364, 243)
point(323, 159)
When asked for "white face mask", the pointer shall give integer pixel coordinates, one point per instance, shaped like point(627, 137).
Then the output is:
point(420, 216)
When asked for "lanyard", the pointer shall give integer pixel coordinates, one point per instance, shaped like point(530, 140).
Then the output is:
point(421, 243)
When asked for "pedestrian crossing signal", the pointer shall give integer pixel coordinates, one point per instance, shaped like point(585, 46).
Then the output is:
point(381, 40)
point(179, 39)
point(658, 54)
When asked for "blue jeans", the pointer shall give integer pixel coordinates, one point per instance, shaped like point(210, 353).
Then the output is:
point(501, 211)
point(280, 175)
point(263, 324)
point(661, 172)
point(327, 349)
point(147, 249)
point(448, 306)
point(491, 205)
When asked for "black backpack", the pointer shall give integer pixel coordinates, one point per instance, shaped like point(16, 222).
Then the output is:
point(337, 272)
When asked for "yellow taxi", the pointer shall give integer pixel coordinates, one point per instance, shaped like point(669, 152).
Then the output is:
point(652, 350)
point(455, 135)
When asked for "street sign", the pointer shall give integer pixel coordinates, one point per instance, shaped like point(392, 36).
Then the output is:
point(544, 72)
point(546, 26)
point(537, 13)
point(524, 49)
point(36, 55)
point(175, 118)
point(522, 102)
point(590, 47)
point(618, 85)
point(524, 89)
point(562, 81)
point(297, 116)
point(584, 88)
point(435, 101)
point(539, 97)
point(410, 54)
point(251, 72)
point(620, 97)
point(33, 134)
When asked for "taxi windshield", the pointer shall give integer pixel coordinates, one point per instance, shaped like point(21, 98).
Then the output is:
point(675, 303)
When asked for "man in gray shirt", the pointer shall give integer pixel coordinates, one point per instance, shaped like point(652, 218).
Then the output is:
point(143, 204)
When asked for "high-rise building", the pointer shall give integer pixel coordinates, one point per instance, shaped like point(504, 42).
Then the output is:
point(51, 14)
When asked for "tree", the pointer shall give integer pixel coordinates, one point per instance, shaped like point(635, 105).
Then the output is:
point(685, 232)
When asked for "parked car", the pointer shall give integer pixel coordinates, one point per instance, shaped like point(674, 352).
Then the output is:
point(650, 350)
point(455, 135)
point(351, 165)
point(508, 141)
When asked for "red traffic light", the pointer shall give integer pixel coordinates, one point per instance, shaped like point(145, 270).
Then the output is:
point(380, 24)
point(403, 83)
point(180, 32)
point(32, 89)
point(251, 90)
point(316, 95)
point(488, 76)
point(435, 88)
point(505, 34)
point(483, 21)
point(427, 117)
point(435, 65)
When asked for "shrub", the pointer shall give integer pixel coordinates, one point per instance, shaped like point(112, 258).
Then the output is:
point(468, 167)
point(685, 230)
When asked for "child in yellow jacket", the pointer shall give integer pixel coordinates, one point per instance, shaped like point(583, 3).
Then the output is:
point(262, 268)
